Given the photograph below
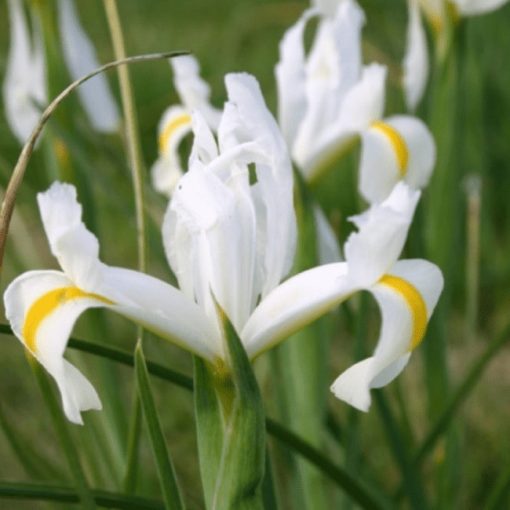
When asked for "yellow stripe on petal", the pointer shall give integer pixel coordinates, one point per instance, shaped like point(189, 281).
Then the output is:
point(397, 143)
point(47, 304)
point(415, 303)
point(170, 128)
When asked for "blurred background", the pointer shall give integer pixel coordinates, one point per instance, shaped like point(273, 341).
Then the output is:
point(243, 35)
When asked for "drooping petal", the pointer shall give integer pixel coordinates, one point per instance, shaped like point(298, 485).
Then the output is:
point(406, 296)
point(193, 91)
point(295, 303)
point(373, 250)
point(42, 307)
point(398, 148)
point(248, 121)
point(475, 7)
point(80, 57)
point(25, 81)
point(416, 61)
point(174, 125)
point(75, 247)
point(290, 79)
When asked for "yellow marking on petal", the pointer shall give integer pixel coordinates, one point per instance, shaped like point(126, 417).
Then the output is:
point(170, 128)
point(47, 304)
point(398, 144)
point(415, 303)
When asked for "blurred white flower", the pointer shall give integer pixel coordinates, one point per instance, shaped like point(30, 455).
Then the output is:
point(416, 64)
point(24, 88)
point(327, 99)
point(175, 123)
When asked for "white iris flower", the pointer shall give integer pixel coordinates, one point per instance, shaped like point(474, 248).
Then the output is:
point(416, 63)
point(328, 98)
point(229, 234)
point(175, 123)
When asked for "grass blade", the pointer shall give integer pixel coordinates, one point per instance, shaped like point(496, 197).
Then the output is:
point(166, 472)
point(103, 499)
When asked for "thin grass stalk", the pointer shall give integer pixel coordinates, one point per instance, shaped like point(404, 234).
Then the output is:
point(473, 210)
point(136, 164)
point(18, 173)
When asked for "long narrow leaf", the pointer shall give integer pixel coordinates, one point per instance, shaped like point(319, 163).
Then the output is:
point(103, 499)
point(166, 473)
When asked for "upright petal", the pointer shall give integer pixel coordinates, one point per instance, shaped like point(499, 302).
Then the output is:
point(406, 296)
point(290, 79)
point(295, 303)
point(398, 148)
point(80, 57)
point(373, 250)
point(193, 90)
point(75, 247)
point(416, 62)
point(327, 7)
point(249, 121)
point(209, 234)
point(25, 81)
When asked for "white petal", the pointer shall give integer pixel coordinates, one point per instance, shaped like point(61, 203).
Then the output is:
point(25, 80)
point(327, 242)
point(249, 121)
point(174, 125)
point(193, 91)
point(382, 234)
point(80, 56)
point(42, 317)
point(162, 309)
point(398, 148)
point(209, 236)
point(75, 247)
point(407, 297)
point(205, 148)
point(290, 79)
point(474, 7)
point(420, 146)
point(295, 303)
point(416, 61)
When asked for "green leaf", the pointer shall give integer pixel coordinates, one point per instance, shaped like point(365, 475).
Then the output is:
point(239, 483)
point(104, 499)
point(209, 425)
point(166, 473)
